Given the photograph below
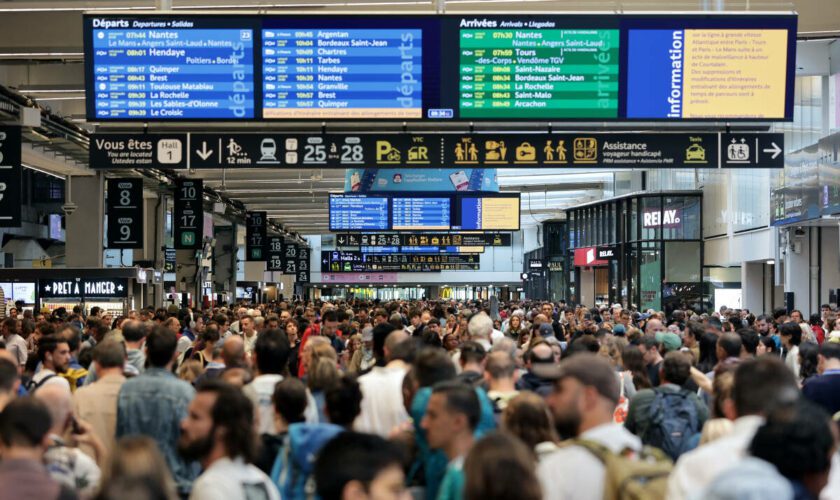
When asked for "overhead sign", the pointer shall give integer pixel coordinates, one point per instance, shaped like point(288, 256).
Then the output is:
point(83, 288)
point(255, 236)
point(358, 262)
point(119, 151)
point(10, 177)
point(424, 239)
point(359, 213)
point(535, 264)
point(303, 254)
point(416, 180)
point(125, 213)
point(189, 213)
point(170, 260)
point(274, 262)
point(302, 276)
point(403, 67)
point(555, 266)
point(367, 154)
point(290, 259)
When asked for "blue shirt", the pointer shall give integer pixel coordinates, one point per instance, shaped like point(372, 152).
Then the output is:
point(153, 404)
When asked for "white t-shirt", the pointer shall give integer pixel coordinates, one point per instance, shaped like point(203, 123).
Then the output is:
point(228, 479)
point(260, 392)
point(382, 402)
point(54, 380)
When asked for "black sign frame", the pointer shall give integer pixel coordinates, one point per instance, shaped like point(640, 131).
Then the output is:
point(290, 259)
point(83, 288)
point(256, 226)
point(125, 213)
point(274, 262)
point(10, 176)
point(188, 214)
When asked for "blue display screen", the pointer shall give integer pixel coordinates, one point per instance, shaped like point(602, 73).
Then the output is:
point(311, 72)
point(170, 69)
point(359, 213)
point(471, 214)
point(421, 214)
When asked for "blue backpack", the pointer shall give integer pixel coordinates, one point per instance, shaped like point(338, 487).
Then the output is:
point(293, 467)
point(673, 423)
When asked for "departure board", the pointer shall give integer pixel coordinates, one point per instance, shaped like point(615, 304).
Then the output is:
point(342, 73)
point(522, 72)
point(359, 213)
point(171, 69)
point(421, 214)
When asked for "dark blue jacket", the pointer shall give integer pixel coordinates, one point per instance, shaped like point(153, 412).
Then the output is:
point(824, 390)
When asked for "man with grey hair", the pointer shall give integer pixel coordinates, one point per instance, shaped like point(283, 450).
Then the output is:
point(480, 329)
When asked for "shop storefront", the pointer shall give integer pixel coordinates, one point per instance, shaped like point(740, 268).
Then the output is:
point(643, 250)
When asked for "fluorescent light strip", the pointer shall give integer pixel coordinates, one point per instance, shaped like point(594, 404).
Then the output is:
point(51, 91)
point(41, 54)
point(41, 99)
point(30, 167)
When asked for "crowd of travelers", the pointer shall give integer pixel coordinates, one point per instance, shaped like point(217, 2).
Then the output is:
point(424, 399)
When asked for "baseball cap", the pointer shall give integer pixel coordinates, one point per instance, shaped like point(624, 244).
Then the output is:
point(590, 369)
point(619, 329)
point(546, 330)
point(670, 340)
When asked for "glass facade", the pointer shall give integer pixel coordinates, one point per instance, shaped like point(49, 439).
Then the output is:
point(658, 249)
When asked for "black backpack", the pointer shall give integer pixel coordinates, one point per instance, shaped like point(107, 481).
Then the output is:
point(33, 386)
point(674, 423)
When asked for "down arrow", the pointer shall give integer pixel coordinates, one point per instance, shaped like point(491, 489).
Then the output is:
point(776, 150)
point(204, 153)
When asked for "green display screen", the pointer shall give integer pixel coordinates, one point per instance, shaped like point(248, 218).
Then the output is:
point(534, 73)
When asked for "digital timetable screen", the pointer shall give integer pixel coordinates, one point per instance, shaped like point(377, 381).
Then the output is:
point(416, 67)
point(359, 213)
point(159, 69)
point(421, 214)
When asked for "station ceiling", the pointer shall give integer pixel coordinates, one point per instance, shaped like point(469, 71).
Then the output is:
point(41, 56)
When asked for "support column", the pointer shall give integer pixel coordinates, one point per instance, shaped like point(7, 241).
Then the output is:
point(186, 278)
point(86, 225)
point(798, 270)
point(224, 260)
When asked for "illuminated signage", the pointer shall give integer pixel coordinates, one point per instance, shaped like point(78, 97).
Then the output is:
point(661, 218)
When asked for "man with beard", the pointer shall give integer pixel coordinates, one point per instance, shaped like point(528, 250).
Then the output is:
point(54, 355)
point(583, 401)
point(218, 433)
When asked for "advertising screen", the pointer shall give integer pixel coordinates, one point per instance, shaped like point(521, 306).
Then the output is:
point(421, 214)
point(169, 68)
point(359, 213)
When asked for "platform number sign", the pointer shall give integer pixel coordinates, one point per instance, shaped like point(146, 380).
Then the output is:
point(275, 253)
point(189, 214)
point(125, 213)
point(255, 236)
point(290, 259)
point(303, 259)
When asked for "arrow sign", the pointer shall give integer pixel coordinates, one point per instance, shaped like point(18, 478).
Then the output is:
point(204, 153)
point(776, 150)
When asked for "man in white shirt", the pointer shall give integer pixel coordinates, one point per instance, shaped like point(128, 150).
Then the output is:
point(54, 355)
point(15, 344)
point(759, 386)
point(383, 408)
point(270, 357)
point(583, 401)
point(217, 432)
point(249, 333)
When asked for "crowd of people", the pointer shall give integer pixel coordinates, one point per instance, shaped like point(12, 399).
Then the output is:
point(420, 399)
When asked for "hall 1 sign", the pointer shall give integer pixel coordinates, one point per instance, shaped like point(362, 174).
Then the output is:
point(125, 213)
point(255, 236)
point(189, 214)
point(10, 176)
point(83, 288)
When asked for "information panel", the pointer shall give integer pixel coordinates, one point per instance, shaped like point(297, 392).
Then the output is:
point(424, 239)
point(255, 236)
point(359, 213)
point(125, 213)
point(533, 70)
point(189, 214)
point(274, 262)
point(169, 68)
point(489, 213)
point(421, 214)
point(358, 262)
point(311, 72)
point(290, 258)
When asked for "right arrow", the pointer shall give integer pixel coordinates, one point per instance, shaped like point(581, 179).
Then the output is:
point(776, 150)
point(204, 153)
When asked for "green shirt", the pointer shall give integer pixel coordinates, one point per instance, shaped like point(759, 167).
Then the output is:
point(638, 414)
point(452, 485)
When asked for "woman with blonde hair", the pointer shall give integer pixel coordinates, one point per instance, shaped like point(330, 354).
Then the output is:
point(137, 470)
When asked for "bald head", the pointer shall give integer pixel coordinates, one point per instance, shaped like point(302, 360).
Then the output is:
point(392, 340)
point(233, 351)
point(654, 326)
point(59, 402)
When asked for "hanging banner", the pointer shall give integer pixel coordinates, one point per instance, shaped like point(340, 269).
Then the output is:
point(189, 214)
point(10, 177)
point(125, 213)
point(255, 236)
point(393, 180)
